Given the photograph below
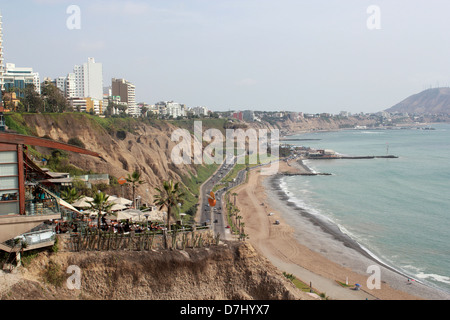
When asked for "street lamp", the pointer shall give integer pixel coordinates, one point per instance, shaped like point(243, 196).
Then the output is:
point(179, 209)
point(136, 201)
point(146, 218)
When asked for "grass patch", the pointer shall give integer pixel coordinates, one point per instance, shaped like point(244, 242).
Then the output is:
point(302, 285)
point(192, 183)
point(54, 274)
point(207, 123)
point(16, 122)
point(343, 284)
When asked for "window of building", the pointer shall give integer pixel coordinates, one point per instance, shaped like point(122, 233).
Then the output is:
point(9, 183)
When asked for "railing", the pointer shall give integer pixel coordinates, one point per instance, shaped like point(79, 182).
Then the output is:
point(131, 241)
point(46, 204)
point(31, 238)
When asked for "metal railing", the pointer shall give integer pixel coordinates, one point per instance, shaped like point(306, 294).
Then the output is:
point(31, 238)
point(47, 204)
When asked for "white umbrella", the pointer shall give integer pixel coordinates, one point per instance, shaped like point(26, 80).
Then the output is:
point(122, 201)
point(121, 215)
point(92, 213)
point(137, 215)
point(83, 202)
point(112, 198)
point(155, 215)
point(118, 207)
point(68, 205)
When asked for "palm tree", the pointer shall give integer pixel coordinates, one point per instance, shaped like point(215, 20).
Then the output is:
point(239, 222)
point(169, 196)
point(236, 212)
point(70, 195)
point(242, 227)
point(234, 194)
point(100, 204)
point(134, 179)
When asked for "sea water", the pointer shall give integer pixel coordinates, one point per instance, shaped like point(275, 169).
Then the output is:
point(398, 209)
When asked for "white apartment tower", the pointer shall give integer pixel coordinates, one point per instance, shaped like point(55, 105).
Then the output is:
point(2, 67)
point(67, 85)
point(70, 86)
point(89, 80)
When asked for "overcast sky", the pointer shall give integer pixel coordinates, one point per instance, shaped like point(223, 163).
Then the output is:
point(297, 55)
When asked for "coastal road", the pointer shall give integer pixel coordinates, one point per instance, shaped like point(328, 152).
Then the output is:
point(215, 217)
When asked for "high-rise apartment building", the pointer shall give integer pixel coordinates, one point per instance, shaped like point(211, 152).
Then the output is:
point(2, 66)
point(170, 109)
point(67, 85)
point(19, 78)
point(88, 79)
point(127, 93)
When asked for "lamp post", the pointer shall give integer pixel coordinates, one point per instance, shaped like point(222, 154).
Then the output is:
point(179, 209)
point(146, 218)
point(137, 201)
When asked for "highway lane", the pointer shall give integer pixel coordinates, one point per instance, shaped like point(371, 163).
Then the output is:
point(215, 216)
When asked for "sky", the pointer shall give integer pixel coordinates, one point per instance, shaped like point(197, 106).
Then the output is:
point(307, 56)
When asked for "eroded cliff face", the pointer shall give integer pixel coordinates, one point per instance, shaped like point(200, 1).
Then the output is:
point(320, 124)
point(145, 147)
point(231, 271)
point(129, 144)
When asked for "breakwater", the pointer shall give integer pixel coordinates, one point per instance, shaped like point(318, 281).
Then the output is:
point(334, 157)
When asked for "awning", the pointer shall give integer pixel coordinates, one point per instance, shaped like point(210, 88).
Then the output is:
point(68, 206)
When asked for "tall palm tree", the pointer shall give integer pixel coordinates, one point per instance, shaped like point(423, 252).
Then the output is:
point(70, 195)
point(169, 196)
point(236, 212)
point(242, 227)
point(100, 204)
point(135, 179)
point(234, 194)
point(238, 218)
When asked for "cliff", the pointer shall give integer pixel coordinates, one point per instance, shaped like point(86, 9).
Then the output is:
point(231, 271)
point(126, 145)
point(288, 127)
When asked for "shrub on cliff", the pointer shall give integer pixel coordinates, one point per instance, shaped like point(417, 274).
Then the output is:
point(76, 142)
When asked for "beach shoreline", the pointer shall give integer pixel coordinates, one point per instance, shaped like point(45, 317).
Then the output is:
point(313, 249)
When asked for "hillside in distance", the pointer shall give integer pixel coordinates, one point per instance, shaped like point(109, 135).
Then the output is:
point(431, 101)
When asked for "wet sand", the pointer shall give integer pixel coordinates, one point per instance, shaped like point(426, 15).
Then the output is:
point(313, 249)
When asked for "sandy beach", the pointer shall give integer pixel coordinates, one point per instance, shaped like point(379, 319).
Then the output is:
point(316, 251)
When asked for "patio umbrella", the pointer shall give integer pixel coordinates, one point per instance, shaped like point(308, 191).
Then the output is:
point(67, 205)
point(122, 201)
point(83, 202)
point(155, 215)
point(137, 215)
point(118, 207)
point(120, 215)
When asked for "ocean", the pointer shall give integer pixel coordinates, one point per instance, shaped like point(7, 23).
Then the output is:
point(397, 209)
